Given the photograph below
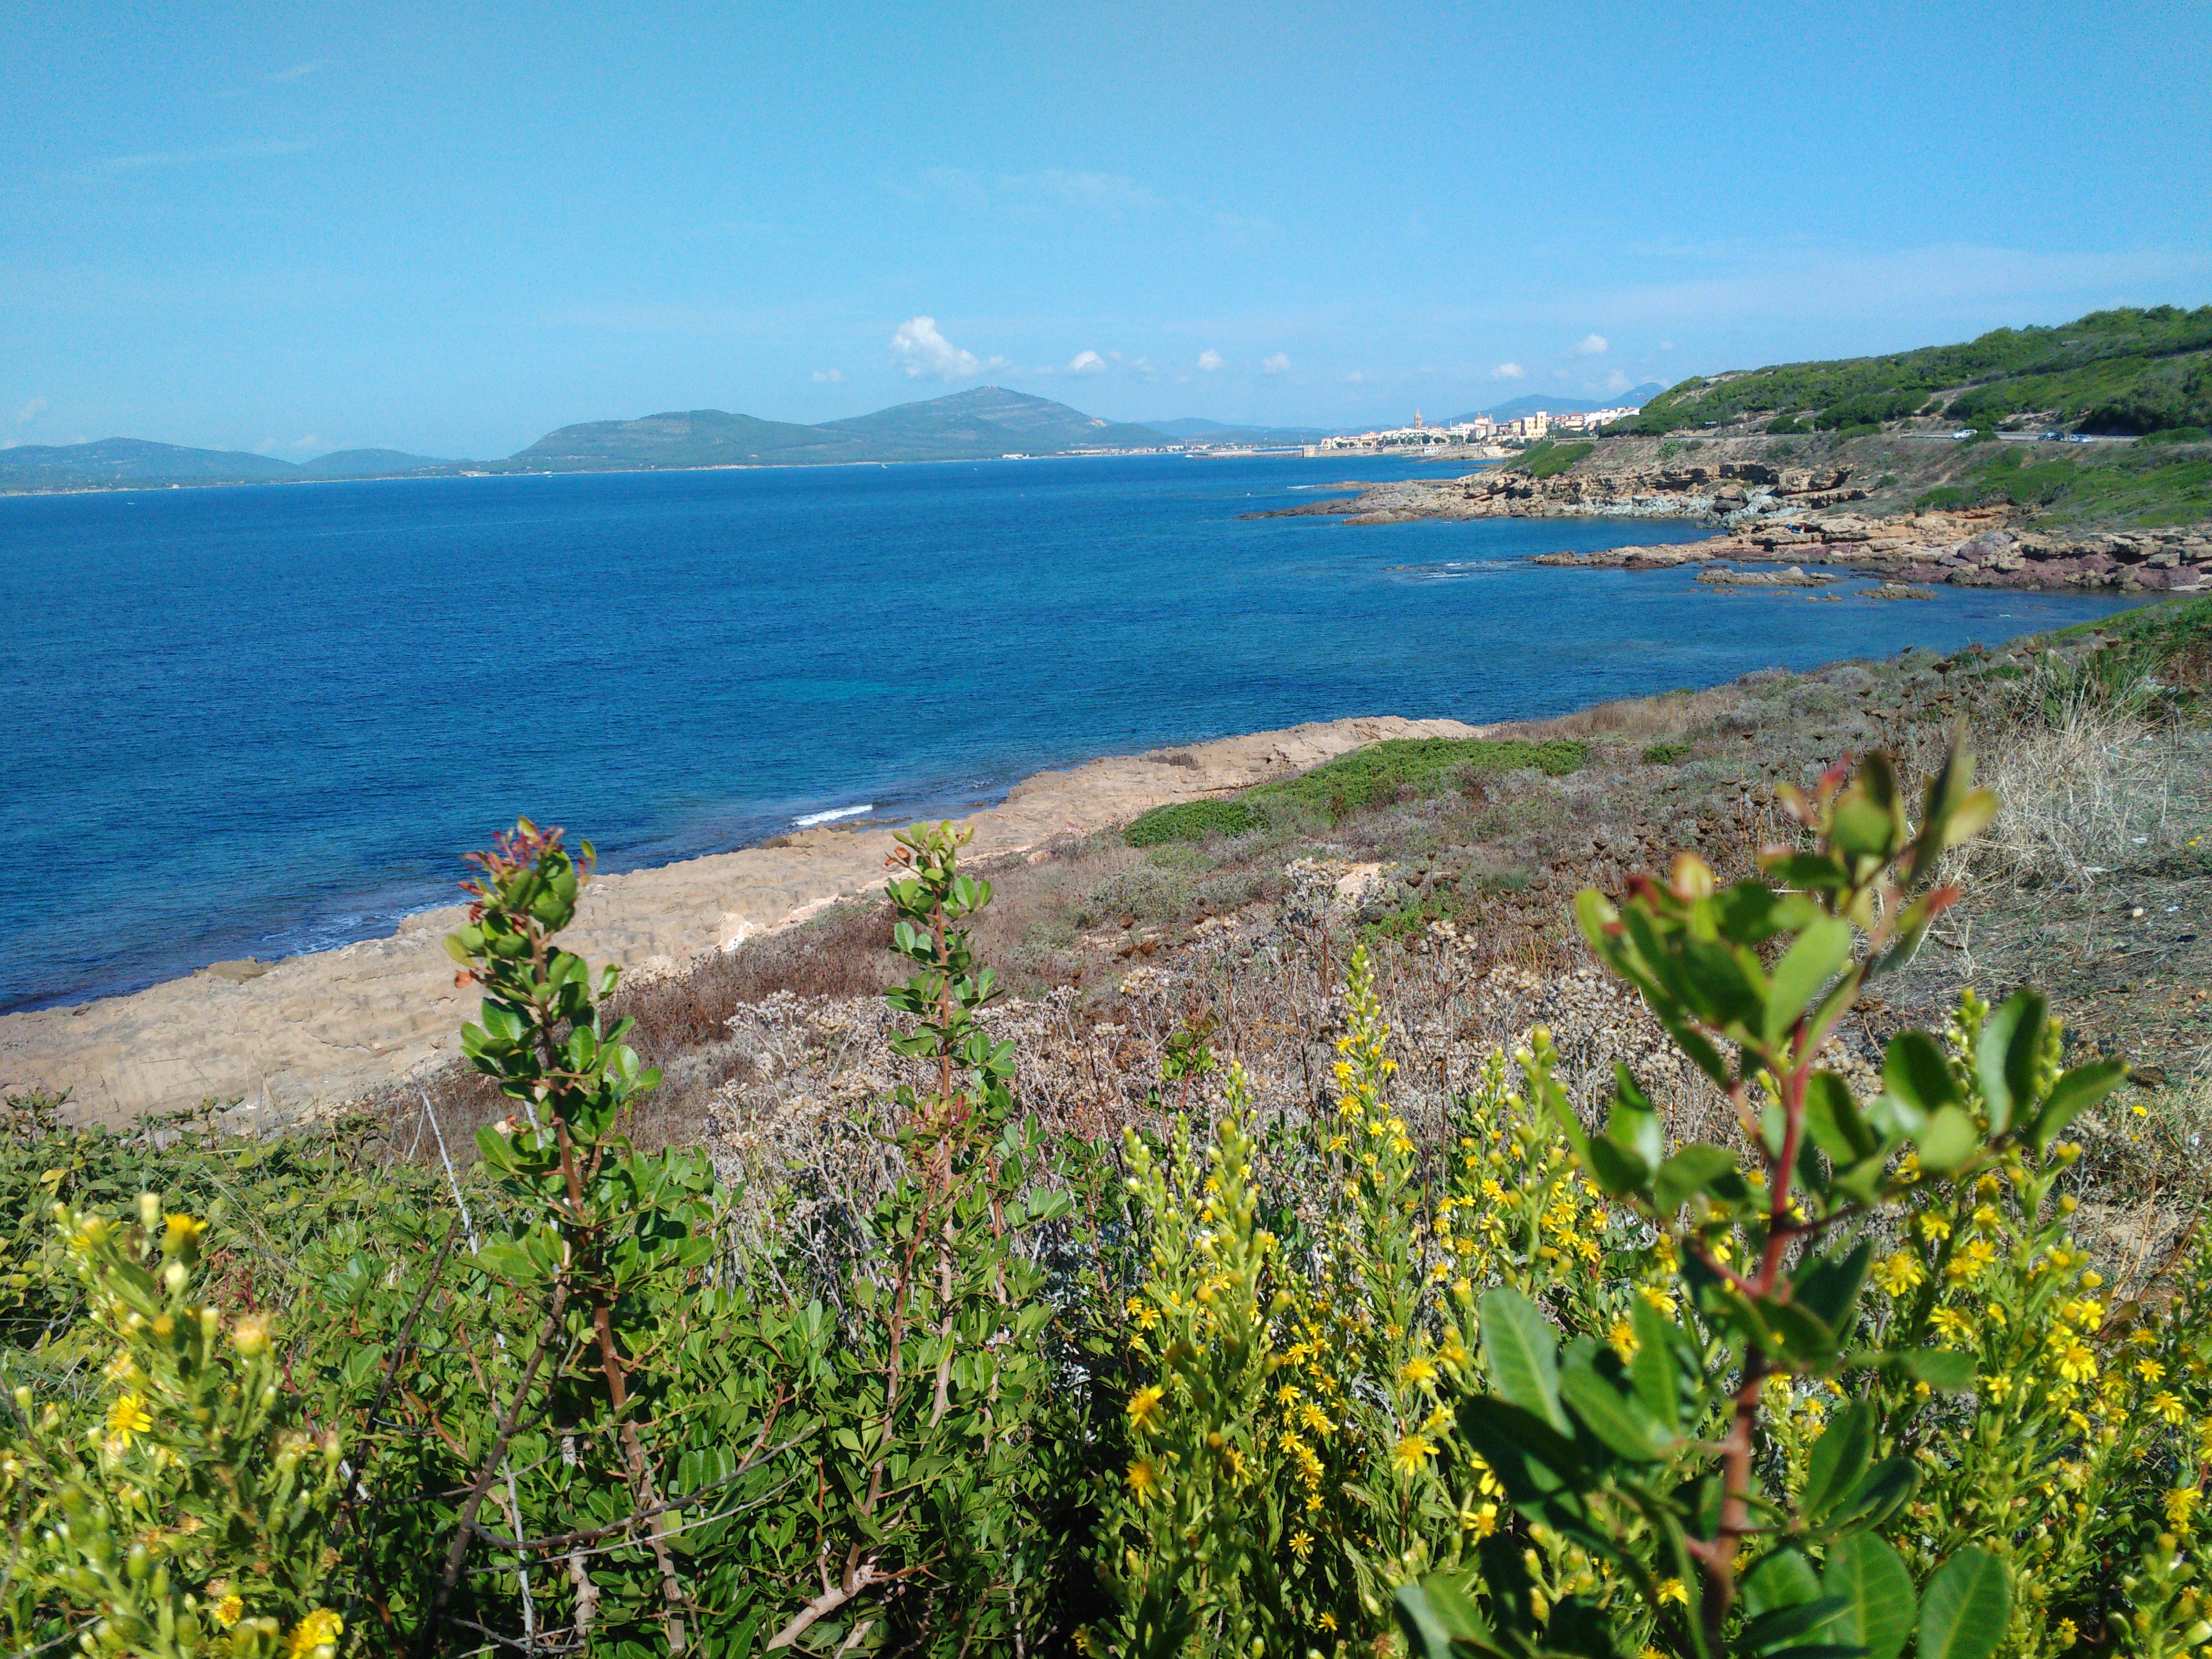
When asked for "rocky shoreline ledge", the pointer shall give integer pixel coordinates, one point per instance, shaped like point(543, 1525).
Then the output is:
point(1781, 514)
point(306, 1035)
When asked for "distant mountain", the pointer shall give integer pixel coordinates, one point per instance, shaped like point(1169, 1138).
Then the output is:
point(698, 437)
point(1214, 432)
point(1520, 407)
point(369, 464)
point(987, 421)
point(983, 423)
point(130, 460)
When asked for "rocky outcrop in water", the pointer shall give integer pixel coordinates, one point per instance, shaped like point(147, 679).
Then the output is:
point(1961, 550)
point(1721, 490)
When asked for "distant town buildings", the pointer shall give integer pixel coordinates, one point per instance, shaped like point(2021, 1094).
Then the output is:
point(1528, 429)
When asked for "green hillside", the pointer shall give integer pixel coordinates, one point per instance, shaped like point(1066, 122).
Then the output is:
point(130, 461)
point(370, 463)
point(989, 421)
point(698, 437)
point(2126, 371)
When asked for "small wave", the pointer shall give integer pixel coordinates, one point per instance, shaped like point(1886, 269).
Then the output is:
point(813, 818)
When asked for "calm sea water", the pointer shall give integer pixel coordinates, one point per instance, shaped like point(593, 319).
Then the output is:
point(266, 720)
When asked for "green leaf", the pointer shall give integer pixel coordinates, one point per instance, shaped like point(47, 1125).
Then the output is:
point(1618, 1422)
point(1521, 1354)
point(1949, 1141)
point(1658, 1383)
point(1828, 1286)
point(2004, 1058)
point(1915, 1071)
point(1839, 1456)
point(1437, 1613)
point(1534, 1462)
point(1780, 1579)
point(1964, 1610)
point(1945, 1368)
point(1860, 827)
point(1879, 1493)
point(1868, 1577)
point(2073, 1094)
point(1694, 1170)
point(1805, 968)
point(1831, 1115)
point(1633, 1126)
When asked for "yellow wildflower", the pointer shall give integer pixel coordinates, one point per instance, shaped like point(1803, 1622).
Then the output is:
point(228, 1612)
point(1673, 1590)
point(1411, 1453)
point(2077, 1364)
point(315, 1636)
point(2181, 1505)
point(1144, 1409)
point(1143, 1479)
point(128, 1416)
point(1897, 1272)
point(1301, 1543)
point(2166, 1405)
point(1418, 1372)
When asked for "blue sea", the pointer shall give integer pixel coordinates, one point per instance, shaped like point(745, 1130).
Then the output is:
point(265, 719)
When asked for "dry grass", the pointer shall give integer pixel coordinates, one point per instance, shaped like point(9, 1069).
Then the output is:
point(2090, 785)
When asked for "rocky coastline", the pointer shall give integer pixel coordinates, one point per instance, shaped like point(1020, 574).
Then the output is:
point(1768, 513)
point(298, 1038)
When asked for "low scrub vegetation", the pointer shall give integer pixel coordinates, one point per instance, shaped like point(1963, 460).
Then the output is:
point(1395, 769)
point(2147, 487)
point(1550, 457)
point(1401, 1359)
point(2124, 371)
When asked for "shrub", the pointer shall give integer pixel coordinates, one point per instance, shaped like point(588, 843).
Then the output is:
point(1510, 1383)
point(1549, 458)
point(1665, 754)
point(1189, 820)
point(1425, 766)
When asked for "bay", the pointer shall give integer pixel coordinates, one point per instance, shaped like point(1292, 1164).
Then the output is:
point(270, 718)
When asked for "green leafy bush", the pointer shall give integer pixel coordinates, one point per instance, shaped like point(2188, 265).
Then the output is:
point(1514, 1383)
point(1424, 766)
point(1190, 820)
point(1550, 457)
point(1666, 753)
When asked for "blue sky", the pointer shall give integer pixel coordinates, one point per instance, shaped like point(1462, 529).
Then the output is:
point(452, 229)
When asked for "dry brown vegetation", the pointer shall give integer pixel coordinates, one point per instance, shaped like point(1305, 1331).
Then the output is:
point(2096, 885)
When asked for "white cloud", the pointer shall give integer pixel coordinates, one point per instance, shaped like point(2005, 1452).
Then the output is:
point(1243, 225)
point(1210, 360)
point(1278, 364)
point(1354, 378)
point(301, 71)
point(114, 165)
point(1508, 372)
point(29, 410)
point(828, 376)
point(1105, 193)
point(1142, 368)
point(923, 351)
point(1590, 345)
point(1617, 381)
point(1086, 362)
point(1666, 345)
